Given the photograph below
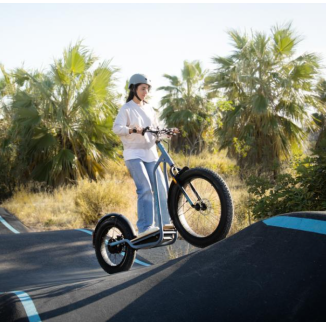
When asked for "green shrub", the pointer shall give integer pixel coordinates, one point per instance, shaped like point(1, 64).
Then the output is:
point(303, 191)
point(7, 177)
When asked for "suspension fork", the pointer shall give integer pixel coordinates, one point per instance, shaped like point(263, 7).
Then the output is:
point(166, 159)
point(175, 180)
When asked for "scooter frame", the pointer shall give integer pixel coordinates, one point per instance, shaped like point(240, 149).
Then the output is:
point(161, 237)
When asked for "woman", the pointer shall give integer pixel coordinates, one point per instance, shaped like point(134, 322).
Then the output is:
point(140, 153)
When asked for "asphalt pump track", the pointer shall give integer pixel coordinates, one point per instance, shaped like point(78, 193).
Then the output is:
point(274, 270)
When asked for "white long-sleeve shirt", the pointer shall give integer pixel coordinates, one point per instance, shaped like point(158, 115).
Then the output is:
point(136, 146)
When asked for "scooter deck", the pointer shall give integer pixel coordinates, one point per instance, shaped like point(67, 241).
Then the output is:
point(154, 237)
point(165, 228)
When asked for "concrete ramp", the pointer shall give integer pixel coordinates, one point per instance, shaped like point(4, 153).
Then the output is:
point(273, 270)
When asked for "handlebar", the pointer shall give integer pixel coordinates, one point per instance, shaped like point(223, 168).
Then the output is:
point(159, 132)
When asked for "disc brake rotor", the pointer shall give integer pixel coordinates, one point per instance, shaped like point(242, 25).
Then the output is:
point(204, 206)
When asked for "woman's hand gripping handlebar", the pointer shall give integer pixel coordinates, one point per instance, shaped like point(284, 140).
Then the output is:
point(169, 132)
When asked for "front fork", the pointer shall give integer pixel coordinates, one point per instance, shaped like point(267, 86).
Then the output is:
point(174, 178)
point(174, 172)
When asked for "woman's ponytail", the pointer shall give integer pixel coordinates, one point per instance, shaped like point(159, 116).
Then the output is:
point(130, 96)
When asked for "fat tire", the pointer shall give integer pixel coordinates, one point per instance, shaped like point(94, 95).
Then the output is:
point(223, 191)
point(130, 254)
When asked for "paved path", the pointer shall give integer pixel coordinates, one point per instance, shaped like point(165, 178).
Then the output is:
point(273, 270)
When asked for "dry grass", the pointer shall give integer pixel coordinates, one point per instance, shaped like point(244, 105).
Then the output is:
point(240, 199)
point(219, 163)
point(82, 205)
point(95, 199)
point(45, 211)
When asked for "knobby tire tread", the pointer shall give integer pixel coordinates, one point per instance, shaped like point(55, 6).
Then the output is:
point(224, 226)
point(130, 254)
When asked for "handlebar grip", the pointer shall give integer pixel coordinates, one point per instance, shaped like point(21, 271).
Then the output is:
point(144, 130)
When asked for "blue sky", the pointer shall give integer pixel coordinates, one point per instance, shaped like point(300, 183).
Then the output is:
point(148, 38)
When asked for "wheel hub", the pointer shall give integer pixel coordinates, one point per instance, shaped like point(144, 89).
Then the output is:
point(115, 249)
point(203, 206)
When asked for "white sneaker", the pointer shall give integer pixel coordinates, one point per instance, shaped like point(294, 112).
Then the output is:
point(148, 231)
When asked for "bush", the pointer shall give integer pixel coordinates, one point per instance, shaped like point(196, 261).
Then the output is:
point(95, 199)
point(7, 177)
point(303, 191)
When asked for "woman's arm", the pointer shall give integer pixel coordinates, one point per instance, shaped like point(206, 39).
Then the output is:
point(121, 124)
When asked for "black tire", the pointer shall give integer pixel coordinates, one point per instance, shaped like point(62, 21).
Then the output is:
point(118, 258)
point(211, 220)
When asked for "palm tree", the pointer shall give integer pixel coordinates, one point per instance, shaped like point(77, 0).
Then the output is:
point(271, 90)
point(8, 152)
point(320, 117)
point(63, 118)
point(187, 106)
point(7, 89)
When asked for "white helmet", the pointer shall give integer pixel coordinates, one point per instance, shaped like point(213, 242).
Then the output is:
point(139, 79)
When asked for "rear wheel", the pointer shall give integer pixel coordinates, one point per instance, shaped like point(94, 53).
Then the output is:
point(209, 219)
point(117, 258)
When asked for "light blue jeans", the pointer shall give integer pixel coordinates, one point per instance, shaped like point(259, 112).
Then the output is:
point(142, 173)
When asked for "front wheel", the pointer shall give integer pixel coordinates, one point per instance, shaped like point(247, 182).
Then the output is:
point(117, 258)
point(209, 219)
